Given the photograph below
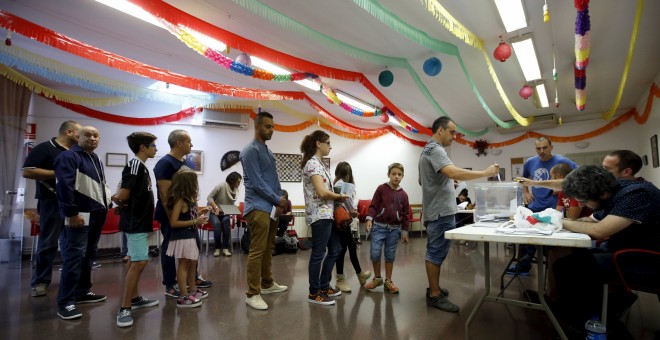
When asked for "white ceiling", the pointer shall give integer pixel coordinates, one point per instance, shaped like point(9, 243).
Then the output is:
point(342, 20)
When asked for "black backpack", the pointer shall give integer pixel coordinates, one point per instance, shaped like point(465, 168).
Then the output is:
point(245, 241)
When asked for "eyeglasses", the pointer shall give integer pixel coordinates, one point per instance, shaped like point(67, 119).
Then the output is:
point(151, 145)
point(327, 142)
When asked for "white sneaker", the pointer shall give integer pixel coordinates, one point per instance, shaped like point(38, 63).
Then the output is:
point(226, 252)
point(216, 253)
point(275, 288)
point(256, 302)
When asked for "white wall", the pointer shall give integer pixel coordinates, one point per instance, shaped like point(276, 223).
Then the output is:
point(369, 158)
point(644, 134)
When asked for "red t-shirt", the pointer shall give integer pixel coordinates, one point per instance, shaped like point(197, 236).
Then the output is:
point(567, 203)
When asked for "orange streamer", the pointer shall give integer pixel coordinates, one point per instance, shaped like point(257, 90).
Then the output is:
point(641, 119)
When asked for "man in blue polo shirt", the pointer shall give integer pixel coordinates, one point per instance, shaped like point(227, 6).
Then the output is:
point(39, 165)
point(537, 168)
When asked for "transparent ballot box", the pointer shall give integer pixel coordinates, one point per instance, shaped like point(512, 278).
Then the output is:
point(497, 201)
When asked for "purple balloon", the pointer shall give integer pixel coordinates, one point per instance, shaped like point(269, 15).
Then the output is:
point(244, 59)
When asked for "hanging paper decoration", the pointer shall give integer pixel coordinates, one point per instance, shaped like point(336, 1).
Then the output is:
point(631, 48)
point(8, 40)
point(502, 51)
point(432, 66)
point(582, 45)
point(526, 92)
point(385, 78)
point(546, 12)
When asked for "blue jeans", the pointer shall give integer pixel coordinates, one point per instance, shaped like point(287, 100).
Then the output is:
point(51, 224)
point(384, 235)
point(167, 263)
point(320, 263)
point(437, 246)
point(78, 253)
point(221, 230)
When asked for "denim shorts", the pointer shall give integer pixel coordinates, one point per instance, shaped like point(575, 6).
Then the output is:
point(388, 235)
point(437, 246)
point(138, 246)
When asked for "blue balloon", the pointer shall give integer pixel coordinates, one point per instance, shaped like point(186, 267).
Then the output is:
point(432, 66)
point(386, 78)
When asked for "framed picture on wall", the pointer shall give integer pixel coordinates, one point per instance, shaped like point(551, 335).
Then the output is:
point(288, 167)
point(654, 151)
point(116, 159)
point(196, 157)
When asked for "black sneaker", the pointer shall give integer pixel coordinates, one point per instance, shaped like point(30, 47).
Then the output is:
point(143, 302)
point(201, 283)
point(69, 313)
point(441, 303)
point(90, 298)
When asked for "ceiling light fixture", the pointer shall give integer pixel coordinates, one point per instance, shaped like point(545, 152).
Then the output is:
point(512, 14)
point(526, 55)
point(542, 95)
point(355, 102)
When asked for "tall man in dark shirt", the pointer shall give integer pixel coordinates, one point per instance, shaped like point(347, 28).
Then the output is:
point(180, 146)
point(39, 166)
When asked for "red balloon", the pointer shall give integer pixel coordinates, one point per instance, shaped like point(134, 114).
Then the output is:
point(502, 52)
point(384, 117)
point(526, 92)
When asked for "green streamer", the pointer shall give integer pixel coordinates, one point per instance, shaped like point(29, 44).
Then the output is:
point(396, 24)
point(282, 20)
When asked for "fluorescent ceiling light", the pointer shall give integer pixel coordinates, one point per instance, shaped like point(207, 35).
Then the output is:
point(178, 90)
point(354, 102)
point(512, 14)
point(526, 55)
point(543, 96)
point(138, 12)
point(133, 10)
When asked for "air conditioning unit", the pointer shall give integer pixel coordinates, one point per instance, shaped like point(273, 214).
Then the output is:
point(215, 118)
point(539, 123)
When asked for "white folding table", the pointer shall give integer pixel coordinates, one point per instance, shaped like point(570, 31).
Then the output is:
point(486, 235)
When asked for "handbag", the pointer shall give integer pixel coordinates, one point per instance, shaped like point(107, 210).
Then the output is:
point(342, 218)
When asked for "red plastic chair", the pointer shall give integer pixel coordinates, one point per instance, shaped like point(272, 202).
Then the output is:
point(648, 283)
point(363, 209)
point(412, 219)
point(208, 228)
point(35, 231)
point(111, 225)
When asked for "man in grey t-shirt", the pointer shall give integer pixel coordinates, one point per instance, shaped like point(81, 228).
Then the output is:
point(436, 175)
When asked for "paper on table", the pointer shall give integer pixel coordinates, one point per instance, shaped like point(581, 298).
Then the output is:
point(463, 205)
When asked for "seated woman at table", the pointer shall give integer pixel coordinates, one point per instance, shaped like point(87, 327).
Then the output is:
point(464, 218)
point(462, 198)
point(628, 212)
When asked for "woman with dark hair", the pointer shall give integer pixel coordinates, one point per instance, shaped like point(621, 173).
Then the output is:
point(224, 193)
point(344, 173)
point(319, 209)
